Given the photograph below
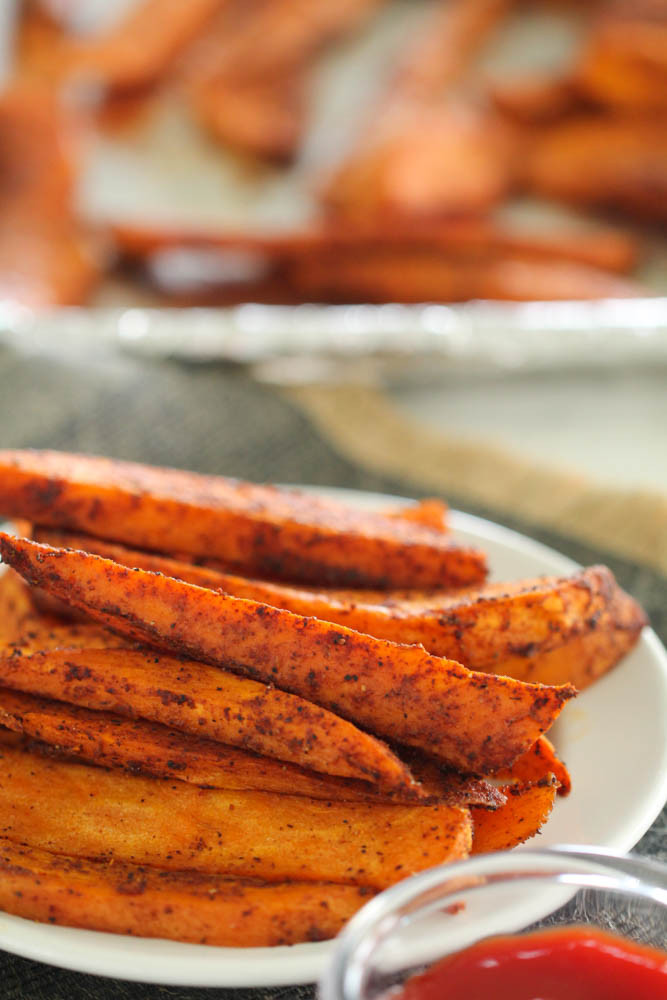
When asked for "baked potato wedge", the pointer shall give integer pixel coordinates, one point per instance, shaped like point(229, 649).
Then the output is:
point(149, 748)
point(180, 906)
point(550, 630)
point(258, 529)
point(472, 721)
point(204, 701)
point(76, 809)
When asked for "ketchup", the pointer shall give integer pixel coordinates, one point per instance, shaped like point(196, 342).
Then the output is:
point(572, 963)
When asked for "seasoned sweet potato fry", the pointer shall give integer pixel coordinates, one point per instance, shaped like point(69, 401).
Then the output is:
point(599, 160)
point(471, 721)
point(148, 748)
point(552, 630)
point(257, 529)
point(85, 811)
point(205, 701)
point(430, 160)
point(525, 812)
point(606, 247)
point(181, 906)
point(424, 154)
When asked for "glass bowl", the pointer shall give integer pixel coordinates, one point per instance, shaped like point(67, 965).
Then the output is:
point(446, 909)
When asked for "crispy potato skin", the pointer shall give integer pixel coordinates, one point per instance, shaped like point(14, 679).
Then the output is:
point(180, 906)
point(474, 722)
point(552, 630)
point(204, 701)
point(85, 811)
point(257, 529)
point(527, 809)
point(142, 747)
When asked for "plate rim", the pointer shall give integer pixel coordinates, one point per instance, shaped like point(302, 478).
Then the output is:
point(99, 953)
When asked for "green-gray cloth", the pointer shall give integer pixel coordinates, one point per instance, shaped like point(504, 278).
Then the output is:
point(210, 419)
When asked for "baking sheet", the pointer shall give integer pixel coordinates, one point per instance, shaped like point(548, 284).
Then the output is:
point(160, 168)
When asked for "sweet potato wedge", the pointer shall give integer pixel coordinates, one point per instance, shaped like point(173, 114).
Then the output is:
point(617, 162)
point(552, 630)
point(609, 248)
point(180, 906)
point(430, 160)
point(142, 747)
point(410, 275)
point(258, 529)
point(424, 154)
point(525, 812)
point(202, 700)
point(472, 721)
point(88, 812)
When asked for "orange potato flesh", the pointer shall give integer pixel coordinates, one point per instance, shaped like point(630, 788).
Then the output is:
point(525, 812)
point(88, 812)
point(143, 747)
point(258, 529)
point(552, 630)
point(180, 906)
point(202, 700)
point(537, 763)
point(472, 721)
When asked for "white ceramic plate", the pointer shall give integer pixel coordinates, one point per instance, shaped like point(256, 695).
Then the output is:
point(614, 739)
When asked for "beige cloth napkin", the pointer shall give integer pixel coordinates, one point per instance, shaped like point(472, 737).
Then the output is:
point(364, 426)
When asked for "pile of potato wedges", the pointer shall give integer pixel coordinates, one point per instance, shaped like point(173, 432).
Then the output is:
point(231, 713)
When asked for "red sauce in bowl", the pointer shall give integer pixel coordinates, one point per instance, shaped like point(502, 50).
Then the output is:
point(573, 963)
